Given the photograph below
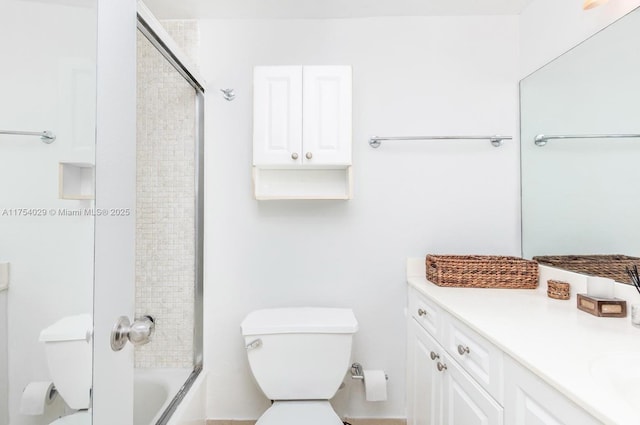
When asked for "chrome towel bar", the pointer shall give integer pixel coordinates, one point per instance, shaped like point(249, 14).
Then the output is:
point(496, 140)
point(46, 136)
point(541, 139)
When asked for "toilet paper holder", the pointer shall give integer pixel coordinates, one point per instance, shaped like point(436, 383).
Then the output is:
point(357, 372)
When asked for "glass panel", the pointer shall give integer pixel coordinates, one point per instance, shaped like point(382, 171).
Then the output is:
point(47, 82)
point(165, 230)
point(579, 195)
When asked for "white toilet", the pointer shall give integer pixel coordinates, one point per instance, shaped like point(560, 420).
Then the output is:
point(299, 357)
point(68, 351)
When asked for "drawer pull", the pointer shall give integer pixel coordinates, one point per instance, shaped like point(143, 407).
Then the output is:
point(441, 366)
point(434, 355)
point(463, 350)
point(422, 312)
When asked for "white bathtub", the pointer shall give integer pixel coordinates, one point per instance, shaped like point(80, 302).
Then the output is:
point(153, 390)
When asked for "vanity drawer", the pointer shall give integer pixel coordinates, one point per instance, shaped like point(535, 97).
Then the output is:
point(426, 313)
point(477, 356)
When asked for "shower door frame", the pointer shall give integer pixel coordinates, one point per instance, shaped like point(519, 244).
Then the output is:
point(160, 39)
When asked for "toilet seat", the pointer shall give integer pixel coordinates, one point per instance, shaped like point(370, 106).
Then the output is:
point(82, 417)
point(308, 412)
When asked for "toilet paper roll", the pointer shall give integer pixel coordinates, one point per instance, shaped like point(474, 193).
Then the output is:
point(36, 397)
point(375, 385)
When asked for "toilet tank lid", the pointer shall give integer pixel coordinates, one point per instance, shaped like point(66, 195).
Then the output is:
point(300, 320)
point(70, 328)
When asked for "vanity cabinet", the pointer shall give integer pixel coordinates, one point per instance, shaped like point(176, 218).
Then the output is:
point(455, 376)
point(302, 132)
point(440, 389)
point(530, 401)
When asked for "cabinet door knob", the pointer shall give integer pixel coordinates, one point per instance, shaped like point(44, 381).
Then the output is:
point(441, 366)
point(463, 350)
point(309, 155)
point(294, 156)
point(434, 355)
point(422, 312)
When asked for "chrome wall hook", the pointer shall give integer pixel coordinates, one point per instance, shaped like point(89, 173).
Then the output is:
point(228, 94)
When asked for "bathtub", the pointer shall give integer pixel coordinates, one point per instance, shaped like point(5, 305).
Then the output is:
point(153, 391)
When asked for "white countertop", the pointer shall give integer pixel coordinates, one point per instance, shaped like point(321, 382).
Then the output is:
point(552, 338)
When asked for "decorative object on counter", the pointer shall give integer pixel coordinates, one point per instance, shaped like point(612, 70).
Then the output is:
point(602, 307)
point(600, 287)
point(632, 272)
point(482, 271)
point(635, 308)
point(611, 266)
point(558, 289)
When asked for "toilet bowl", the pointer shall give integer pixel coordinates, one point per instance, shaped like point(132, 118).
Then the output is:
point(69, 357)
point(299, 357)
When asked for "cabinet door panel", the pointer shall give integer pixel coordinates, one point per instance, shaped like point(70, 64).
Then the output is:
point(531, 401)
point(424, 380)
point(277, 115)
point(327, 115)
point(465, 402)
point(479, 358)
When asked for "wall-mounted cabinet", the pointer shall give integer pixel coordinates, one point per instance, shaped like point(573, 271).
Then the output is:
point(302, 126)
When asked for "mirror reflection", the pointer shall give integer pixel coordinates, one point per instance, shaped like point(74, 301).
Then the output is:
point(579, 190)
point(47, 83)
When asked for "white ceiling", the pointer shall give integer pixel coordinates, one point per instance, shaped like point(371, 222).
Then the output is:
point(203, 9)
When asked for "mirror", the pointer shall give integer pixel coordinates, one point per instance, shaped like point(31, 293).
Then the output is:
point(580, 195)
point(47, 82)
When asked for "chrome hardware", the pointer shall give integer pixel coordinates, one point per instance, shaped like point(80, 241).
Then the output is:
point(441, 367)
point(358, 373)
point(422, 312)
point(46, 137)
point(463, 350)
point(496, 140)
point(541, 139)
point(138, 333)
point(434, 355)
point(309, 155)
point(294, 156)
point(228, 94)
point(256, 343)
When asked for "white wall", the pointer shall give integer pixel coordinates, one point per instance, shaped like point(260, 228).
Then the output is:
point(411, 76)
point(4, 361)
point(47, 82)
point(550, 27)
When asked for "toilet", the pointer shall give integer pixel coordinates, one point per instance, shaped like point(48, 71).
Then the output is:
point(67, 345)
point(299, 357)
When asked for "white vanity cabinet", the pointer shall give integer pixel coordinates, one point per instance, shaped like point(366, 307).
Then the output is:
point(530, 401)
point(457, 377)
point(441, 391)
point(302, 132)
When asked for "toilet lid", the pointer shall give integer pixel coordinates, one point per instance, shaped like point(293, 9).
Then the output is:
point(82, 417)
point(317, 412)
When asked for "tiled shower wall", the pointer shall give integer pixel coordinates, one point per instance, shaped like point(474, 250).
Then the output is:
point(165, 207)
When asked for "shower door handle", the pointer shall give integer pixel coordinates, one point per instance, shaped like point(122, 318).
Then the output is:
point(138, 333)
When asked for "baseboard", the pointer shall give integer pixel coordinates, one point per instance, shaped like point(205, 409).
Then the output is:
point(352, 421)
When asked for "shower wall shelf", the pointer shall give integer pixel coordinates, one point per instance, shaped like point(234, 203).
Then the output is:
point(76, 180)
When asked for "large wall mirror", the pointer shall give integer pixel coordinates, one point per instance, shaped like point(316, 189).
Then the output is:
point(580, 190)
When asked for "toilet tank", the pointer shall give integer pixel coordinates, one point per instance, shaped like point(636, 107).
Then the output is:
point(299, 353)
point(67, 345)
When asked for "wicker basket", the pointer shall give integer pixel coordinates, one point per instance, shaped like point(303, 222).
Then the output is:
point(482, 271)
point(558, 289)
point(611, 266)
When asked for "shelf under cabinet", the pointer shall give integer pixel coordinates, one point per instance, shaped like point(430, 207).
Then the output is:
point(302, 183)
